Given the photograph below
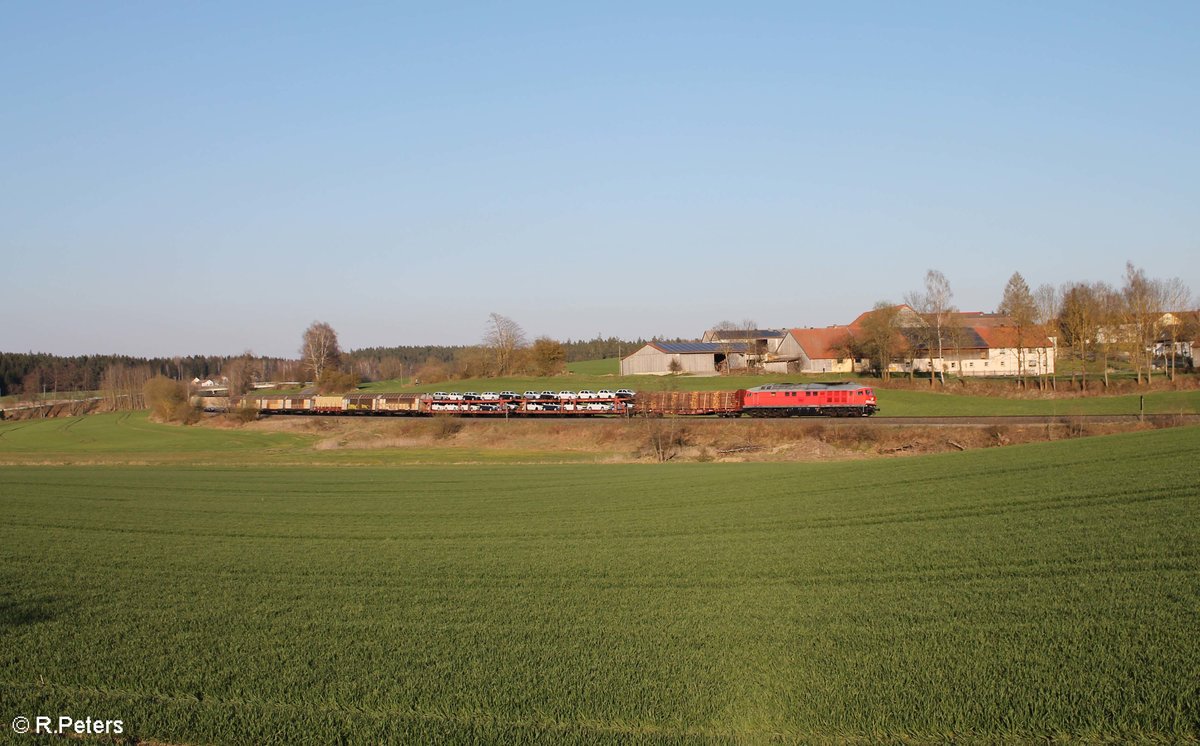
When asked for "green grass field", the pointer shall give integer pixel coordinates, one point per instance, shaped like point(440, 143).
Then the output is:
point(904, 403)
point(607, 367)
point(129, 438)
point(1043, 592)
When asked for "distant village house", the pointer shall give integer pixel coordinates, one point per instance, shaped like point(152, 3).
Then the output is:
point(973, 344)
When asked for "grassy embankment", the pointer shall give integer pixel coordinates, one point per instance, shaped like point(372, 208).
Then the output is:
point(1028, 593)
point(21, 400)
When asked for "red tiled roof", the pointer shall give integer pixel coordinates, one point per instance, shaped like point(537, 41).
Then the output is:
point(1005, 337)
point(977, 319)
point(900, 310)
point(822, 344)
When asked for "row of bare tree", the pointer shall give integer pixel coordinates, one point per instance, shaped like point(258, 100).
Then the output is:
point(505, 350)
point(1093, 322)
point(122, 386)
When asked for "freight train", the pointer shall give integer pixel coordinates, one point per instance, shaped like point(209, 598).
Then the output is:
point(838, 399)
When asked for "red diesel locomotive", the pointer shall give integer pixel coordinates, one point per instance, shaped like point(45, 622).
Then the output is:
point(842, 399)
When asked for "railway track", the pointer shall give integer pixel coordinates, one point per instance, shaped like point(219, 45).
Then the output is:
point(1037, 419)
point(976, 421)
point(876, 421)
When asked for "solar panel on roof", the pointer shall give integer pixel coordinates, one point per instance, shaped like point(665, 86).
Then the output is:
point(694, 347)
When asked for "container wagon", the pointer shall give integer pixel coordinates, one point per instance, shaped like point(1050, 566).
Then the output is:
point(329, 404)
point(401, 404)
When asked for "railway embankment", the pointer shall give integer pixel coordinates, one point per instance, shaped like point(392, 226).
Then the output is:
point(49, 409)
point(682, 439)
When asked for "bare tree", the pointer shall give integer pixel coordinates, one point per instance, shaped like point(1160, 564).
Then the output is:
point(122, 386)
point(880, 341)
point(1189, 330)
point(1111, 309)
point(1047, 303)
point(242, 373)
point(738, 337)
point(31, 385)
point(502, 338)
point(663, 427)
point(390, 368)
point(319, 350)
point(1143, 305)
point(1175, 299)
point(1080, 320)
point(935, 308)
point(1017, 303)
point(471, 362)
point(956, 337)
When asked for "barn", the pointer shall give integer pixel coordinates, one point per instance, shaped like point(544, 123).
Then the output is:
point(813, 351)
point(697, 358)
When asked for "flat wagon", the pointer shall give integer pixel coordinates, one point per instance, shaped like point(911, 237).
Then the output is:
point(723, 403)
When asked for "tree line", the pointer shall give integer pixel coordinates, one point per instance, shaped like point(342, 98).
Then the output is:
point(320, 361)
point(1142, 322)
point(504, 350)
point(1094, 322)
point(439, 362)
point(34, 373)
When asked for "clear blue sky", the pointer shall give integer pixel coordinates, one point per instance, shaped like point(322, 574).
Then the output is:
point(210, 177)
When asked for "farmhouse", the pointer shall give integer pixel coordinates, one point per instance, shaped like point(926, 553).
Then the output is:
point(972, 344)
point(986, 351)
